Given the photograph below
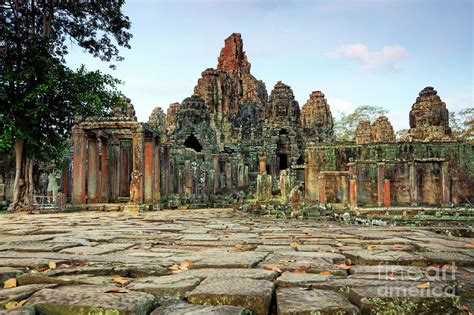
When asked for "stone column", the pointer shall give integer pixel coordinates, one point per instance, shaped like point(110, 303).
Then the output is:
point(217, 172)
point(345, 189)
point(115, 170)
point(228, 174)
point(104, 173)
point(93, 179)
point(157, 174)
point(386, 193)
point(240, 174)
point(322, 189)
point(80, 151)
point(413, 184)
point(455, 192)
point(262, 164)
point(353, 191)
point(137, 151)
point(124, 169)
point(148, 171)
point(380, 183)
point(446, 198)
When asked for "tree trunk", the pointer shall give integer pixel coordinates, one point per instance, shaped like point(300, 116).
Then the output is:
point(18, 168)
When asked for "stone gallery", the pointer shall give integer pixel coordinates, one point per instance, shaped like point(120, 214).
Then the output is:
point(231, 142)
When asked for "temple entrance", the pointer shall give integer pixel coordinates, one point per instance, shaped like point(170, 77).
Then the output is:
point(193, 143)
point(283, 161)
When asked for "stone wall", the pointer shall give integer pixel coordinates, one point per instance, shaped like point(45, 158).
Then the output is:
point(418, 174)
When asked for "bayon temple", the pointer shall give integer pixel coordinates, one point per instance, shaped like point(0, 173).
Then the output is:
point(231, 142)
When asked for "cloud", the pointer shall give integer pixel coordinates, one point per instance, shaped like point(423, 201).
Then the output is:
point(386, 59)
point(338, 105)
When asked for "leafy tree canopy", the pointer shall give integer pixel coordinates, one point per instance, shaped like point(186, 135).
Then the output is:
point(39, 95)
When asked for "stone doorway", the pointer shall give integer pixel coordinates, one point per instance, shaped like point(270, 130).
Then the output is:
point(193, 143)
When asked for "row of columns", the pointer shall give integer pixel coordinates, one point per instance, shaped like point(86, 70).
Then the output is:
point(99, 180)
point(315, 179)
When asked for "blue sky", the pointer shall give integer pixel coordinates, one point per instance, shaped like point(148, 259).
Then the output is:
point(360, 52)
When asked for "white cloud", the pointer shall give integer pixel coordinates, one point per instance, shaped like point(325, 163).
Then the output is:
point(338, 105)
point(386, 59)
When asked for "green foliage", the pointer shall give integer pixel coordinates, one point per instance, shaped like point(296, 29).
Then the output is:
point(462, 124)
point(345, 127)
point(40, 96)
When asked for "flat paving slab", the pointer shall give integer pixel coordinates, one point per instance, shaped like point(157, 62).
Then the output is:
point(299, 301)
point(254, 295)
point(219, 261)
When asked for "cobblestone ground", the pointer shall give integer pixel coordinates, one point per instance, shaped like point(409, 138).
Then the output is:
point(217, 261)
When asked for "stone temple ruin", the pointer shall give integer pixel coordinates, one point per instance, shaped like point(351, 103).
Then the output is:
point(230, 141)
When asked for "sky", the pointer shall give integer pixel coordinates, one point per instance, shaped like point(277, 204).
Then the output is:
point(358, 52)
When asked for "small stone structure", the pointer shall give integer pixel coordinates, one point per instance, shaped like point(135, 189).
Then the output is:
point(429, 117)
point(316, 118)
point(115, 159)
point(380, 131)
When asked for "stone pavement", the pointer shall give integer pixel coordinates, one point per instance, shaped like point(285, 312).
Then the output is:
point(217, 261)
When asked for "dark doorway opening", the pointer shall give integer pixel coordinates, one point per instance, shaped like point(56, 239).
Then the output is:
point(283, 161)
point(193, 143)
point(283, 132)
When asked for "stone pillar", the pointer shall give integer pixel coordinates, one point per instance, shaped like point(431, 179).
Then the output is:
point(115, 170)
point(217, 172)
point(311, 175)
point(380, 183)
point(240, 174)
point(455, 191)
point(124, 169)
point(104, 173)
point(345, 189)
point(93, 179)
point(156, 174)
point(228, 174)
point(187, 180)
point(446, 198)
point(262, 164)
point(80, 151)
point(413, 184)
point(148, 171)
point(137, 152)
point(353, 192)
point(322, 189)
point(386, 193)
point(246, 176)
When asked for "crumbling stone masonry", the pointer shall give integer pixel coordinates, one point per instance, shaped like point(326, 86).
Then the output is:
point(230, 141)
point(116, 159)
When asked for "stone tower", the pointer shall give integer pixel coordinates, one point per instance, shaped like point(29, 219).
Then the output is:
point(429, 117)
point(229, 87)
point(316, 118)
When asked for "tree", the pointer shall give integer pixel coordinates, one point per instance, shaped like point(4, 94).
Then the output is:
point(345, 127)
point(403, 135)
point(39, 94)
point(462, 124)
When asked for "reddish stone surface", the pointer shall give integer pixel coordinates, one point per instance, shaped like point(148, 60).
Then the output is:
point(79, 180)
point(232, 57)
point(386, 193)
point(104, 174)
point(148, 178)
